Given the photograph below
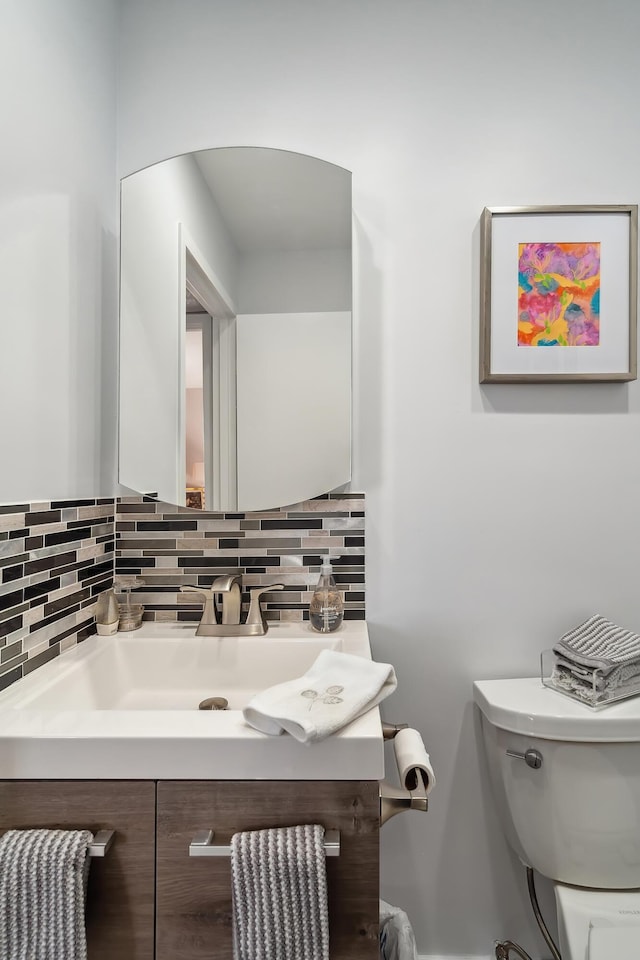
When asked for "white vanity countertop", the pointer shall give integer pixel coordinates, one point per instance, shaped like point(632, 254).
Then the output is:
point(69, 719)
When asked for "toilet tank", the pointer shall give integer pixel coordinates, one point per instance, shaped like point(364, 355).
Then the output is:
point(575, 818)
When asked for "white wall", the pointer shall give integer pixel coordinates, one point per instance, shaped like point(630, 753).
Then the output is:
point(497, 516)
point(58, 253)
point(295, 281)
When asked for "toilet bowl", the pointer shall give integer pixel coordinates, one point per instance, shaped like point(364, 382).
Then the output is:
point(566, 783)
point(598, 924)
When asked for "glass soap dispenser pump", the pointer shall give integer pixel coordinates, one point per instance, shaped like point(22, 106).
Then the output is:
point(326, 608)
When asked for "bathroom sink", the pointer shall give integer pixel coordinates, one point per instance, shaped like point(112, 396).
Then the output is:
point(171, 669)
point(126, 707)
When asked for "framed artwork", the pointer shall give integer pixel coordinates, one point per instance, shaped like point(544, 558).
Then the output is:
point(195, 498)
point(558, 294)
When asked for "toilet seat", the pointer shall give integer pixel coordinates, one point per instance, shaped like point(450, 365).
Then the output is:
point(598, 924)
point(621, 943)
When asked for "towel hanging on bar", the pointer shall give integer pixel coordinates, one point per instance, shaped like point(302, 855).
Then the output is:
point(279, 889)
point(43, 880)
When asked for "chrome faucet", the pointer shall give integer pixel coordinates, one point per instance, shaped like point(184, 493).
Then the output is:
point(228, 625)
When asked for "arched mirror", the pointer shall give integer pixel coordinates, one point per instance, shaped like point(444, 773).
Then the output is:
point(235, 329)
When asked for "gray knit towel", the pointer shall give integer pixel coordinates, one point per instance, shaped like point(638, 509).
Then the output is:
point(43, 875)
point(599, 644)
point(279, 887)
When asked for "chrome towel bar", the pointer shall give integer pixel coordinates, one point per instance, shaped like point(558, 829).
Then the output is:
point(202, 845)
point(101, 843)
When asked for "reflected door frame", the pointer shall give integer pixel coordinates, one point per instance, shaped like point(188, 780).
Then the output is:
point(219, 376)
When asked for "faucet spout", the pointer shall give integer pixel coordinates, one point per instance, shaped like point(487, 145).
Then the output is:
point(229, 587)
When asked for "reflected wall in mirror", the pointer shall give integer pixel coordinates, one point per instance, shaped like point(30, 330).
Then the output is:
point(235, 329)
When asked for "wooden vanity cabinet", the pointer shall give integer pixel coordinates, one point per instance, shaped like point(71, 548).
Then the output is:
point(120, 896)
point(193, 920)
point(154, 824)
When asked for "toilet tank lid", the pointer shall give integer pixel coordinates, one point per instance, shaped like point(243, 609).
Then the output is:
point(526, 706)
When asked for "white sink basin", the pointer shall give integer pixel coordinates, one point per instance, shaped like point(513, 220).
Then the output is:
point(171, 670)
point(127, 707)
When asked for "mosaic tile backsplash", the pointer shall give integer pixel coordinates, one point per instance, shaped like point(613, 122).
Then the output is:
point(55, 558)
point(170, 547)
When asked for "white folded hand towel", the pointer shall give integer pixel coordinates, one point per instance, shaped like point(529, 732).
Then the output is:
point(334, 691)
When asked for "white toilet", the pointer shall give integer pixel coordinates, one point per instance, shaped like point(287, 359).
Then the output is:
point(566, 781)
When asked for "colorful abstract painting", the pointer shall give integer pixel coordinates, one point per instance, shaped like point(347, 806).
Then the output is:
point(558, 294)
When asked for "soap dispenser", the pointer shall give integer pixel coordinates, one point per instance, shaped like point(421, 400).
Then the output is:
point(107, 614)
point(326, 608)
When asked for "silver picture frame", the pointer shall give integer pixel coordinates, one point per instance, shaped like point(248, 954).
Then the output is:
point(614, 228)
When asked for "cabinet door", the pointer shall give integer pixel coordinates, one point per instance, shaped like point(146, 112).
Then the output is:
point(194, 894)
point(120, 897)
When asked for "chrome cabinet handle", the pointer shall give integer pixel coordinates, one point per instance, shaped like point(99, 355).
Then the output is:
point(101, 843)
point(202, 845)
point(532, 758)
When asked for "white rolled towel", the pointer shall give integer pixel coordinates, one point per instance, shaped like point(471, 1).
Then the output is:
point(336, 689)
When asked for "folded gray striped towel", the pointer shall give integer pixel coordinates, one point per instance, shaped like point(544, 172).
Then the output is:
point(599, 644)
point(598, 661)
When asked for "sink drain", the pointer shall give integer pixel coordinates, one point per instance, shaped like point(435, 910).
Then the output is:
point(213, 703)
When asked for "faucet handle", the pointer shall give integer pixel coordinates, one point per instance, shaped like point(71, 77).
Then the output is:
point(256, 613)
point(209, 614)
point(187, 588)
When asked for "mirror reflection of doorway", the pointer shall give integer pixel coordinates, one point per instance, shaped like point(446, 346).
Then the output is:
point(195, 417)
point(208, 420)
